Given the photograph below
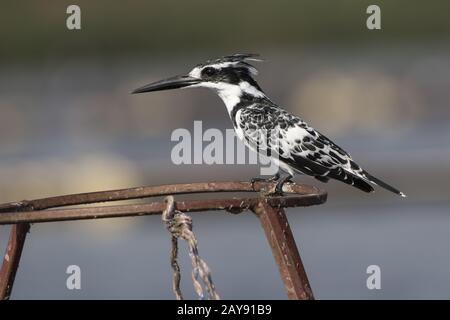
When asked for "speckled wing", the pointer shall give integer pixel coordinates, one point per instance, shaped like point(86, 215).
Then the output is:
point(270, 129)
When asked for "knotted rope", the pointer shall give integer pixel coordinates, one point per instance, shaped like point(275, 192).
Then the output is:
point(179, 225)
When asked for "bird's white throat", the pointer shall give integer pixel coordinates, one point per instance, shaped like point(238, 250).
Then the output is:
point(231, 93)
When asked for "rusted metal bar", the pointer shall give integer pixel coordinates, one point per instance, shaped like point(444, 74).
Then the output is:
point(284, 250)
point(13, 252)
point(268, 209)
point(32, 210)
point(155, 191)
point(233, 205)
point(11, 258)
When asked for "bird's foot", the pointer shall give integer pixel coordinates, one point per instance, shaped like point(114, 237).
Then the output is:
point(271, 179)
point(276, 177)
point(278, 191)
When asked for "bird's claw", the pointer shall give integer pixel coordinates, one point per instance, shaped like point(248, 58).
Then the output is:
point(278, 191)
point(276, 177)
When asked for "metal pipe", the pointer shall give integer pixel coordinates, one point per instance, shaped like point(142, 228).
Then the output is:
point(156, 191)
point(284, 250)
point(232, 205)
point(11, 258)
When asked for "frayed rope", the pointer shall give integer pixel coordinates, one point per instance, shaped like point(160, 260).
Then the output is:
point(179, 225)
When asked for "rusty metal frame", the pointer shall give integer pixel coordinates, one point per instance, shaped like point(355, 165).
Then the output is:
point(268, 209)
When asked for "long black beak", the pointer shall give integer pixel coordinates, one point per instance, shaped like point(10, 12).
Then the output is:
point(167, 84)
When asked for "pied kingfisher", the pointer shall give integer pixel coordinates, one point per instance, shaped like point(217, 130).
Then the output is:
point(266, 128)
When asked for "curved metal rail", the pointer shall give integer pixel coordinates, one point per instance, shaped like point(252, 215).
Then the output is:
point(269, 210)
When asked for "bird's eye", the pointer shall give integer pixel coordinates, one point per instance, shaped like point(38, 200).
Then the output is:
point(209, 71)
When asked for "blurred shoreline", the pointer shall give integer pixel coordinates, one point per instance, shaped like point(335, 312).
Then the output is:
point(77, 128)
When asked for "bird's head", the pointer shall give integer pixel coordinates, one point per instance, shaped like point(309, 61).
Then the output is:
point(231, 76)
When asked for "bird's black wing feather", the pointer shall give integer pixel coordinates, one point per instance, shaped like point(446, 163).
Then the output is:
point(268, 128)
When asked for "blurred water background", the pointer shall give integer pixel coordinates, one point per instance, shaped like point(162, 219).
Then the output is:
point(68, 124)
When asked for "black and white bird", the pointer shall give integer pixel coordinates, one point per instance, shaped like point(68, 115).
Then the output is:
point(267, 128)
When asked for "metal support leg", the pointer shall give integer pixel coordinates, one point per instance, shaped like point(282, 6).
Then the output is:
point(12, 257)
point(284, 250)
